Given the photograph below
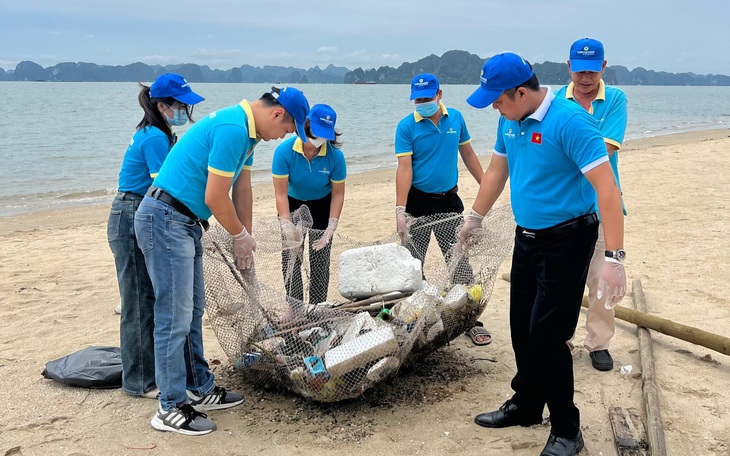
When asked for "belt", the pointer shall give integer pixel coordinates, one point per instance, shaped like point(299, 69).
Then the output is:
point(560, 229)
point(437, 195)
point(129, 196)
point(161, 195)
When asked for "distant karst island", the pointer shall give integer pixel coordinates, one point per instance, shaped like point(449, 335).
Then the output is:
point(453, 67)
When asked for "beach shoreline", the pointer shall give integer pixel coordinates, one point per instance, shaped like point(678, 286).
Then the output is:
point(92, 213)
point(58, 291)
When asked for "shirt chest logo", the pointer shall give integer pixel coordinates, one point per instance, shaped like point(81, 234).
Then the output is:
point(451, 131)
point(536, 138)
point(510, 134)
point(325, 171)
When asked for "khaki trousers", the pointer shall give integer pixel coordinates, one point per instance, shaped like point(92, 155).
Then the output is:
point(600, 324)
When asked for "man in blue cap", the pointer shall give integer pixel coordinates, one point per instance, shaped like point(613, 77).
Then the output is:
point(555, 158)
point(607, 105)
point(427, 144)
point(214, 156)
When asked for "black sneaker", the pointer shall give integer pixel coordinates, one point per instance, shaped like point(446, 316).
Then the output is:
point(601, 360)
point(183, 420)
point(218, 399)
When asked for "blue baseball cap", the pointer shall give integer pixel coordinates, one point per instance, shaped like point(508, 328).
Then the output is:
point(175, 86)
point(296, 104)
point(586, 54)
point(424, 86)
point(499, 73)
point(322, 120)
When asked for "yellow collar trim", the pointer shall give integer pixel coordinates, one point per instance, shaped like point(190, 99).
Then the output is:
point(299, 148)
point(251, 123)
point(601, 95)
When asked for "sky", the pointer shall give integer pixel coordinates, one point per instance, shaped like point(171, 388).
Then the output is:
point(671, 35)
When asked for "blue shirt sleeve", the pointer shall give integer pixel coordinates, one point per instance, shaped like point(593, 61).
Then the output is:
point(339, 170)
point(228, 144)
point(583, 141)
point(155, 149)
point(614, 125)
point(464, 136)
point(403, 138)
point(499, 144)
point(280, 165)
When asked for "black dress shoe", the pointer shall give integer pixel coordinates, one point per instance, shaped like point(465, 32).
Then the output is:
point(601, 360)
point(560, 446)
point(507, 415)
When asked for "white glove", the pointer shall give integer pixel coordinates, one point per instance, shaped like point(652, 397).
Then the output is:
point(612, 283)
point(322, 242)
point(401, 223)
point(243, 247)
point(472, 228)
point(292, 234)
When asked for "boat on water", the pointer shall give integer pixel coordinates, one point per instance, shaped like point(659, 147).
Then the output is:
point(364, 82)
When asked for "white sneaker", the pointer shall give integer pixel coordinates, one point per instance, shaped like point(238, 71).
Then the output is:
point(118, 309)
point(183, 420)
point(154, 393)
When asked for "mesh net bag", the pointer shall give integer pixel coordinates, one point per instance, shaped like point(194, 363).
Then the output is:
point(329, 323)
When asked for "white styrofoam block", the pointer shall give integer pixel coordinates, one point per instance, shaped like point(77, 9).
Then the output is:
point(360, 351)
point(378, 269)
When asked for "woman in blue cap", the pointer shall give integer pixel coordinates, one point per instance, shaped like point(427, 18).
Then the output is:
point(310, 173)
point(167, 103)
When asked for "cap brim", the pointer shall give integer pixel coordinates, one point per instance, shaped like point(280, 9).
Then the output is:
point(481, 98)
point(322, 132)
point(189, 98)
point(586, 65)
point(428, 93)
point(300, 131)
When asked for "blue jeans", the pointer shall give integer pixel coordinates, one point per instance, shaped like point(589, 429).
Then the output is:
point(173, 253)
point(138, 300)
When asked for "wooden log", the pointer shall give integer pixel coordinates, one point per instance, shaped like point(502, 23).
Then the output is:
point(716, 342)
point(654, 423)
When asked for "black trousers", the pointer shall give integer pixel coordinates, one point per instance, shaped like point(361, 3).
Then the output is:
point(547, 281)
point(423, 205)
point(319, 260)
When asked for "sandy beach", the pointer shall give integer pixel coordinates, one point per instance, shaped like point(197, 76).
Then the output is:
point(58, 291)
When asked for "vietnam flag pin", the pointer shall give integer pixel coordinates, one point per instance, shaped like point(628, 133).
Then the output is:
point(537, 138)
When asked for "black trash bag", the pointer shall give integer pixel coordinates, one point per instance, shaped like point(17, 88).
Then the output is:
point(93, 367)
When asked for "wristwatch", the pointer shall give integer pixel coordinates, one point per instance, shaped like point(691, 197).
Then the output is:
point(618, 254)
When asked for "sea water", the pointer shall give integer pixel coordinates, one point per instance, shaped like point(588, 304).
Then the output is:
point(61, 144)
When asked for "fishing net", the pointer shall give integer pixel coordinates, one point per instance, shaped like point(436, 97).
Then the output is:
point(329, 323)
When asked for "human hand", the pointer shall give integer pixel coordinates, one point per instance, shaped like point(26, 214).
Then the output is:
point(322, 242)
point(401, 223)
point(243, 247)
point(612, 283)
point(292, 234)
point(471, 229)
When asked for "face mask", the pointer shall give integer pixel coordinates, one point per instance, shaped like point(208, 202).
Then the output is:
point(180, 117)
point(428, 108)
point(316, 142)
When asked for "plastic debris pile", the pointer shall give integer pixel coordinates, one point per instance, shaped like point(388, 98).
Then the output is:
point(329, 324)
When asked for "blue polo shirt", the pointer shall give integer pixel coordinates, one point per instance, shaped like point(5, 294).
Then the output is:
point(144, 156)
point(220, 143)
point(611, 112)
point(548, 154)
point(434, 148)
point(309, 180)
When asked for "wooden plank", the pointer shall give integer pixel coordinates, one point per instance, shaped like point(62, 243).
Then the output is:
point(628, 432)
